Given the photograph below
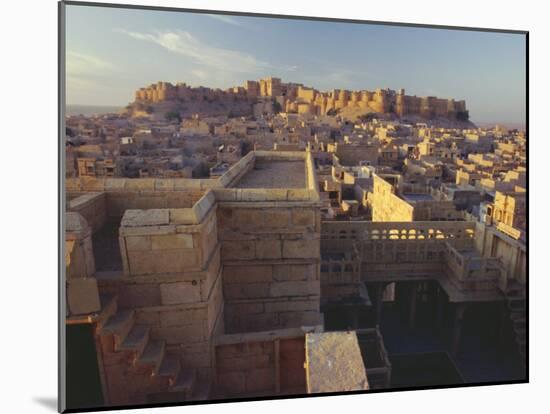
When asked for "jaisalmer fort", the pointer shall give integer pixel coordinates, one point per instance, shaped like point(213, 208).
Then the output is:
point(273, 239)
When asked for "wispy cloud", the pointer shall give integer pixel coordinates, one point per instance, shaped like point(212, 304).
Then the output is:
point(82, 64)
point(201, 74)
point(185, 44)
point(226, 19)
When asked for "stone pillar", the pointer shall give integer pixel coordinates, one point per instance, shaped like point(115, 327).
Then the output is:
point(457, 328)
point(412, 311)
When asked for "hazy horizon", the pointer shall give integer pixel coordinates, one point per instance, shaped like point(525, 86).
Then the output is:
point(113, 52)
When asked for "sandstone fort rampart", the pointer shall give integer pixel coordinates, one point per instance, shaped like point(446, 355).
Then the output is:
point(297, 98)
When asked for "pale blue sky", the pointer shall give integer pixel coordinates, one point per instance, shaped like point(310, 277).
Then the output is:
point(112, 52)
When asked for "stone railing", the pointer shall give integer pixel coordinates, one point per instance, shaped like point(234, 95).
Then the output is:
point(413, 248)
point(401, 251)
point(341, 270)
point(391, 242)
point(365, 230)
point(472, 272)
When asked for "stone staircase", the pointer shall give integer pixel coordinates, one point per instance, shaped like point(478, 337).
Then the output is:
point(516, 304)
point(137, 368)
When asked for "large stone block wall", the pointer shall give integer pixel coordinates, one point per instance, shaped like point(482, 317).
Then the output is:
point(353, 154)
point(260, 364)
point(386, 206)
point(270, 260)
point(245, 368)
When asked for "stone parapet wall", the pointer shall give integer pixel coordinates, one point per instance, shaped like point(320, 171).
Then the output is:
point(368, 230)
point(87, 184)
point(92, 206)
point(389, 251)
point(472, 272)
point(159, 241)
point(118, 202)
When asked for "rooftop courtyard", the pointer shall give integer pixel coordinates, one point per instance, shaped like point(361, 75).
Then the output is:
point(275, 174)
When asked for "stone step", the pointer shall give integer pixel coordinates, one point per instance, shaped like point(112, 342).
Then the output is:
point(153, 355)
point(136, 340)
point(109, 307)
point(119, 325)
point(201, 391)
point(185, 381)
point(169, 368)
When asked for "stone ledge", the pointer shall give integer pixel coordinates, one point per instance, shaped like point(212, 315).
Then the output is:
point(151, 217)
point(231, 339)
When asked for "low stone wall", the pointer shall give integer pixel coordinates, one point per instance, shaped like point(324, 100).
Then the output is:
point(472, 273)
point(159, 241)
point(98, 184)
point(91, 206)
point(120, 201)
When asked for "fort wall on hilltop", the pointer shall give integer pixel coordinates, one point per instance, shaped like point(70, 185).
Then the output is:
point(297, 98)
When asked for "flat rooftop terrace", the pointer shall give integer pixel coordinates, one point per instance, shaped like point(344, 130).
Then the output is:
point(275, 174)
